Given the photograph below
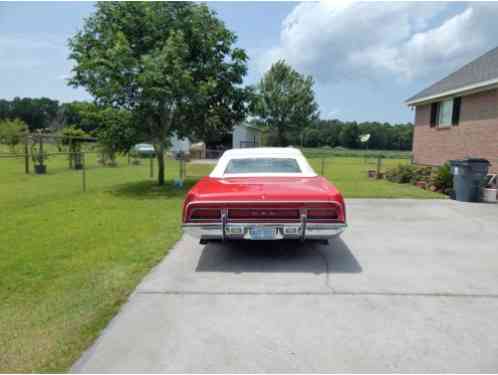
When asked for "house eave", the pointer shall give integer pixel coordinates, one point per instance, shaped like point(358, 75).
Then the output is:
point(465, 90)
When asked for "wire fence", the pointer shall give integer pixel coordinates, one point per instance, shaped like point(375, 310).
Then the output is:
point(84, 162)
point(80, 167)
point(372, 165)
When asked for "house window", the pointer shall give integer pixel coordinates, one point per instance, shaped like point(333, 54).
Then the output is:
point(446, 113)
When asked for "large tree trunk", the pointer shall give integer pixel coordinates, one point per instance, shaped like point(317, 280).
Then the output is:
point(165, 120)
point(160, 164)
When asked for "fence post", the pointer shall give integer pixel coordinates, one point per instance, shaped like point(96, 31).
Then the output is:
point(184, 168)
point(83, 172)
point(379, 163)
point(322, 168)
point(70, 158)
point(180, 169)
point(151, 167)
point(26, 155)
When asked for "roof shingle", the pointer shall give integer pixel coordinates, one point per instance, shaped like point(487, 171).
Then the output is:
point(482, 69)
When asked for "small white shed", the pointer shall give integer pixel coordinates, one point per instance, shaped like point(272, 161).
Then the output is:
point(246, 135)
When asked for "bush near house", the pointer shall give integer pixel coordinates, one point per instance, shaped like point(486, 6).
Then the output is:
point(436, 179)
point(409, 174)
point(442, 179)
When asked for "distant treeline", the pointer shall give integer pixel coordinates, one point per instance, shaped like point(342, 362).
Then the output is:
point(42, 113)
point(45, 113)
point(336, 133)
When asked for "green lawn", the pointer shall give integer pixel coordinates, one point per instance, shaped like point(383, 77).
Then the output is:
point(350, 177)
point(343, 152)
point(69, 259)
point(349, 174)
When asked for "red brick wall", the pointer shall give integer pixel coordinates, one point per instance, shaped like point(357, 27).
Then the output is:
point(476, 135)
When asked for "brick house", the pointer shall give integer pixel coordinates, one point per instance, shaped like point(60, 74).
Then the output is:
point(458, 115)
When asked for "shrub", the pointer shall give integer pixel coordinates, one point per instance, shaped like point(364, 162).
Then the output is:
point(421, 174)
point(442, 179)
point(401, 174)
point(37, 155)
point(12, 132)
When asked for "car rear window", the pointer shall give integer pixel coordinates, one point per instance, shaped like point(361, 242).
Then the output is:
point(262, 165)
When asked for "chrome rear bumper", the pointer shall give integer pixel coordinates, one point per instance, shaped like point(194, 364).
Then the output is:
point(242, 231)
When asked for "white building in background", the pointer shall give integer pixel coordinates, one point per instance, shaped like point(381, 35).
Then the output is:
point(243, 135)
point(246, 135)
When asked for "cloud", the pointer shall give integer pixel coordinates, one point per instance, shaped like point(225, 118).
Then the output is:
point(28, 51)
point(338, 41)
point(333, 113)
point(64, 76)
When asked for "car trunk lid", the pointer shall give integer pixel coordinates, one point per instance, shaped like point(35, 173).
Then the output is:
point(265, 189)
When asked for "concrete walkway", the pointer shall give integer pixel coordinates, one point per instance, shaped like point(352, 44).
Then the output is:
point(411, 286)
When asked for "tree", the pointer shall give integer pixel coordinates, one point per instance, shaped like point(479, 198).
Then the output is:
point(116, 133)
point(172, 65)
point(5, 109)
point(12, 132)
point(285, 101)
point(349, 135)
point(311, 137)
point(37, 113)
point(83, 115)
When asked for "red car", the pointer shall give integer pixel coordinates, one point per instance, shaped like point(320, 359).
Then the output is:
point(264, 194)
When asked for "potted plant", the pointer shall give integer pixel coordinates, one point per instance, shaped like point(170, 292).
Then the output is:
point(38, 157)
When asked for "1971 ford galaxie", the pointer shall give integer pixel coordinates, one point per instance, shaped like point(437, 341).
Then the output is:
point(264, 194)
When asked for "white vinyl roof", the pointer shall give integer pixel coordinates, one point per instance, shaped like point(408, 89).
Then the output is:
point(263, 152)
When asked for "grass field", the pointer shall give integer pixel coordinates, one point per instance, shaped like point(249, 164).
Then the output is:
point(69, 259)
point(328, 152)
point(349, 174)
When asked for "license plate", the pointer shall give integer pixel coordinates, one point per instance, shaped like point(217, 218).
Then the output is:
point(262, 233)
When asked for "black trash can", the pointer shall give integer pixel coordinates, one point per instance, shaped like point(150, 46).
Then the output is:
point(467, 177)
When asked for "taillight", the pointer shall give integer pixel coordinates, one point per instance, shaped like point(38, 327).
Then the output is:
point(205, 214)
point(322, 214)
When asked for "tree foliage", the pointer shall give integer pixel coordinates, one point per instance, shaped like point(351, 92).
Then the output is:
point(285, 101)
point(12, 132)
point(36, 113)
point(172, 65)
point(116, 133)
point(83, 115)
point(336, 133)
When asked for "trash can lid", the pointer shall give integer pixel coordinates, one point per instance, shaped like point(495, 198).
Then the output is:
point(455, 163)
point(477, 160)
point(467, 161)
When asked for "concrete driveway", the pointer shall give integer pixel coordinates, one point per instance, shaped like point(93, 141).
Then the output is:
point(410, 286)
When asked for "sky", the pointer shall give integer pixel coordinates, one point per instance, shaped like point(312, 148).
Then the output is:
point(365, 58)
